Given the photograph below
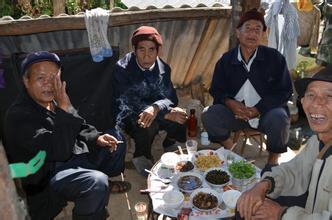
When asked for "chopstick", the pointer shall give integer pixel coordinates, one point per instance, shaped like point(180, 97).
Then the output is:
point(152, 191)
point(232, 148)
point(180, 150)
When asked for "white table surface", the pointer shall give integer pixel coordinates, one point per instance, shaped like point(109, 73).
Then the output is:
point(160, 188)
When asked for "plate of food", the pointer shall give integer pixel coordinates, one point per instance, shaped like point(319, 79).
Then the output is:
point(205, 199)
point(205, 159)
point(189, 181)
point(216, 177)
point(184, 166)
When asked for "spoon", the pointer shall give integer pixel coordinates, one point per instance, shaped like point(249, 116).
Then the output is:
point(163, 180)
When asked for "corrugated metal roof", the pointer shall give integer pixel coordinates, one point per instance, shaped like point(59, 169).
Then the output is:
point(137, 7)
point(174, 3)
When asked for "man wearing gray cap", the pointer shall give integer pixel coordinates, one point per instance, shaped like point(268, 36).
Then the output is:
point(79, 159)
point(309, 171)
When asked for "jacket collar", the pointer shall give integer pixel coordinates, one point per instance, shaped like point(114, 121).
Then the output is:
point(131, 64)
point(259, 55)
point(25, 98)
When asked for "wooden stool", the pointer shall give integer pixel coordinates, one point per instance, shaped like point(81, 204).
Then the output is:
point(248, 133)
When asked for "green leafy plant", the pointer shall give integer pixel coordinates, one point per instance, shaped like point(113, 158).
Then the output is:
point(72, 7)
point(118, 3)
point(301, 68)
point(242, 169)
point(7, 8)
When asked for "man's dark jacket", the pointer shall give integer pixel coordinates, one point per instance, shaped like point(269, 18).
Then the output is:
point(29, 128)
point(268, 75)
point(134, 89)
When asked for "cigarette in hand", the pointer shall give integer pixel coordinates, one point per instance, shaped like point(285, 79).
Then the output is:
point(119, 142)
point(141, 124)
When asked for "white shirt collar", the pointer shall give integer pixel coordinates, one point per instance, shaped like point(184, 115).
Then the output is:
point(246, 65)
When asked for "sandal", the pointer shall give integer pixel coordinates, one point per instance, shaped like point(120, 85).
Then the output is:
point(119, 186)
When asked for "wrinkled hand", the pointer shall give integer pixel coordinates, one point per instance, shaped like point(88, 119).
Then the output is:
point(252, 112)
point(251, 200)
point(177, 115)
point(270, 210)
point(108, 141)
point(60, 94)
point(239, 109)
point(146, 118)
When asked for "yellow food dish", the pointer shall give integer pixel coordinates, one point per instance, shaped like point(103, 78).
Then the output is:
point(204, 162)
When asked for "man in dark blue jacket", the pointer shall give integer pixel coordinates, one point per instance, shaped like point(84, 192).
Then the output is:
point(144, 98)
point(251, 86)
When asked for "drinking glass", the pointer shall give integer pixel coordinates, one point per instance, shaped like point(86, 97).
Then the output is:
point(141, 209)
point(191, 146)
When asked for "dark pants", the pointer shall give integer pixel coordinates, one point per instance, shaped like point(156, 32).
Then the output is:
point(144, 137)
point(84, 180)
point(219, 121)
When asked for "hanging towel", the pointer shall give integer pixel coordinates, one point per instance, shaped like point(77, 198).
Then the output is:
point(96, 22)
point(282, 16)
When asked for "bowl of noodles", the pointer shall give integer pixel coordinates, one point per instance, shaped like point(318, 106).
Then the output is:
point(206, 159)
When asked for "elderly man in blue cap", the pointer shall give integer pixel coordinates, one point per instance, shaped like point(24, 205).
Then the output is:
point(79, 159)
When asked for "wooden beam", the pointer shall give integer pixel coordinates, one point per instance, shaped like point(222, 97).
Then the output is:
point(59, 7)
point(76, 22)
point(209, 30)
point(236, 14)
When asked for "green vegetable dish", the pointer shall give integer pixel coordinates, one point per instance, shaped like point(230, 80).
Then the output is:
point(242, 169)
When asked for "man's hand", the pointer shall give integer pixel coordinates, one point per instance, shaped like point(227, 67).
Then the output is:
point(241, 111)
point(238, 109)
point(270, 210)
point(252, 112)
point(146, 118)
point(60, 94)
point(251, 200)
point(108, 141)
point(177, 115)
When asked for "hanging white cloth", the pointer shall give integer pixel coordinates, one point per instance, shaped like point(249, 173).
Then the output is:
point(283, 16)
point(96, 22)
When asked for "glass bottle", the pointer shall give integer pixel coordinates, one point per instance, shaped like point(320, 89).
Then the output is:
point(192, 124)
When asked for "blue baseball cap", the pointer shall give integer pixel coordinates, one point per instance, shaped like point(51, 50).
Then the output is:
point(39, 56)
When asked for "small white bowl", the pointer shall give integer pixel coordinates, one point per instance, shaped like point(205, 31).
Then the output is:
point(169, 159)
point(173, 199)
point(230, 198)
